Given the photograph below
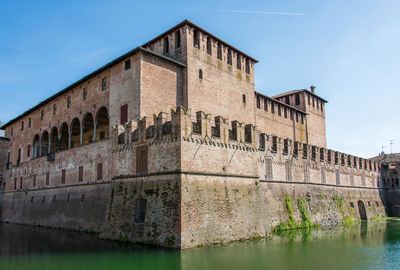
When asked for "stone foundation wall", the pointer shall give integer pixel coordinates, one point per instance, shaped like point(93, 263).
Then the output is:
point(161, 224)
point(78, 207)
point(224, 209)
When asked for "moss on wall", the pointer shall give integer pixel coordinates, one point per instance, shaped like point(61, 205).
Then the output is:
point(292, 224)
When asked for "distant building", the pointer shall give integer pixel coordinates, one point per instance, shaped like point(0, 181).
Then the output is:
point(390, 170)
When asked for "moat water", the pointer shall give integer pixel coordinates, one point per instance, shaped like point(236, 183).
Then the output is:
point(373, 245)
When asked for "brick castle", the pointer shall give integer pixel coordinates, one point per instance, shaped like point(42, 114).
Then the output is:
point(171, 145)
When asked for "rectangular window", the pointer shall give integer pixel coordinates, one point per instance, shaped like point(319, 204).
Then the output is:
point(84, 93)
point(104, 84)
point(47, 178)
point(273, 107)
point(22, 125)
point(63, 176)
point(265, 104)
point(28, 151)
point(166, 45)
point(297, 99)
point(41, 115)
point(296, 149)
point(258, 102)
point(274, 146)
point(262, 142)
point(279, 110)
point(29, 122)
point(286, 146)
point(68, 102)
point(140, 211)
point(268, 169)
point(196, 38)
point(178, 39)
point(219, 51)
point(19, 156)
point(99, 171)
point(124, 114)
point(238, 61)
point(209, 49)
point(141, 159)
point(127, 64)
point(80, 176)
point(34, 180)
point(229, 57)
point(247, 66)
point(54, 109)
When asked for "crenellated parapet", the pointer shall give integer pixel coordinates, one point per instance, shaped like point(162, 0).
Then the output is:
point(217, 139)
point(310, 163)
point(183, 124)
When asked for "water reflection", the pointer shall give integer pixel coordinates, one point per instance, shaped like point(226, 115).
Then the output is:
point(373, 245)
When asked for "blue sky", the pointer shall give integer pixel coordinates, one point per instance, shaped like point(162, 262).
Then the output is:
point(348, 49)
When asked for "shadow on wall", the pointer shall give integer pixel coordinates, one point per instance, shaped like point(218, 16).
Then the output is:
point(390, 198)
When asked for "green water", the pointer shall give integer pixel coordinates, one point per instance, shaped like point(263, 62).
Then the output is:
point(373, 245)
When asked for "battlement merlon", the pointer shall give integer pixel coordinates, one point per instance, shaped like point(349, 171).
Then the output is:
point(182, 124)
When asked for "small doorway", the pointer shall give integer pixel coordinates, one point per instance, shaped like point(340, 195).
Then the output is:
point(362, 211)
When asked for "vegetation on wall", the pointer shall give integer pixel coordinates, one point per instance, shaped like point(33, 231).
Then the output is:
point(347, 220)
point(292, 224)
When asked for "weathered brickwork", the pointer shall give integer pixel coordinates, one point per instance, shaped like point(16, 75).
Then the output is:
point(171, 145)
point(4, 148)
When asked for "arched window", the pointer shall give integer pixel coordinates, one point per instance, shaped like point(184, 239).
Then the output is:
point(44, 142)
point(88, 128)
point(102, 124)
point(64, 137)
point(54, 140)
point(36, 147)
point(75, 132)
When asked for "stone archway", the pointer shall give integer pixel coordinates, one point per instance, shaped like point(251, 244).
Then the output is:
point(362, 211)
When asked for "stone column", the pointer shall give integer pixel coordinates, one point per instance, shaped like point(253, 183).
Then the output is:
point(94, 131)
point(69, 138)
point(49, 146)
point(81, 136)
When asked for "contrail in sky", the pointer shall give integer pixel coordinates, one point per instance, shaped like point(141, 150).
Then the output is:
point(242, 11)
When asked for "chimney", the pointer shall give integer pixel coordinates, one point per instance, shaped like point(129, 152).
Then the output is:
point(312, 88)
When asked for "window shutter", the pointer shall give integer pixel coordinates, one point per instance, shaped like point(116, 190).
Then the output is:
point(99, 171)
point(80, 173)
point(124, 114)
point(63, 176)
point(141, 159)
